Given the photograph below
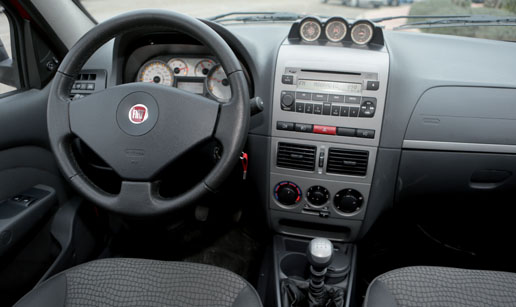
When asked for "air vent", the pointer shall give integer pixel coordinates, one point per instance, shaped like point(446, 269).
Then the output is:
point(347, 162)
point(296, 156)
point(86, 77)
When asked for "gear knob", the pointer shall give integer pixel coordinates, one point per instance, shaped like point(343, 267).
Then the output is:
point(320, 253)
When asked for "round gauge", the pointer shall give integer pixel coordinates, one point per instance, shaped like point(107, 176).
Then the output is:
point(156, 71)
point(203, 67)
point(178, 66)
point(218, 84)
point(362, 33)
point(336, 30)
point(310, 30)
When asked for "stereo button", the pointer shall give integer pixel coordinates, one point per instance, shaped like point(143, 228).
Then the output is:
point(300, 107)
point(287, 98)
point(352, 99)
point(344, 111)
point(325, 130)
point(335, 110)
point(318, 109)
point(353, 112)
point(287, 79)
point(373, 85)
point(336, 98)
point(327, 109)
point(303, 95)
point(320, 97)
point(309, 108)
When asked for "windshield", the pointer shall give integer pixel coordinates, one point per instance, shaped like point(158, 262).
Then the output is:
point(351, 9)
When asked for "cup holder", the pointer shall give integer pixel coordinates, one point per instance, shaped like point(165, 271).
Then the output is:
point(295, 266)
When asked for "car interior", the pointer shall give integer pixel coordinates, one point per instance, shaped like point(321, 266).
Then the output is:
point(159, 159)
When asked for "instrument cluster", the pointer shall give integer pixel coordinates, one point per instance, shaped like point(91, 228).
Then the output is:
point(198, 75)
point(336, 30)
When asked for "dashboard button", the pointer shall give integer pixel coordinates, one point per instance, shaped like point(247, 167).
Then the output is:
point(353, 112)
point(335, 110)
point(352, 99)
point(318, 109)
point(319, 97)
point(365, 133)
point(372, 85)
point(336, 98)
point(344, 111)
point(325, 130)
point(90, 86)
point(326, 109)
point(346, 131)
point(309, 108)
point(303, 128)
point(287, 79)
point(285, 126)
point(367, 108)
point(303, 95)
point(300, 107)
point(287, 98)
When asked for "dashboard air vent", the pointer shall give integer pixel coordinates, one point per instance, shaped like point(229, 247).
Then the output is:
point(347, 162)
point(296, 156)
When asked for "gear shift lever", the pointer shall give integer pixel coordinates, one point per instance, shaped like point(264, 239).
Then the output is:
point(320, 255)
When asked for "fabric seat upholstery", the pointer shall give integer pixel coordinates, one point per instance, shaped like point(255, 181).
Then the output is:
point(139, 282)
point(439, 286)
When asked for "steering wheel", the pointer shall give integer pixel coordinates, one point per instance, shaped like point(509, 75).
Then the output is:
point(138, 129)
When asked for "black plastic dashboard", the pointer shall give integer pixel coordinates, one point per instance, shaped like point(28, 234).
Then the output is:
point(444, 96)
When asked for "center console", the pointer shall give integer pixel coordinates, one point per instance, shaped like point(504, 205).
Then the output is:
point(327, 116)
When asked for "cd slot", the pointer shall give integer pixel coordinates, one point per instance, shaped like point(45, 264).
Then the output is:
point(331, 72)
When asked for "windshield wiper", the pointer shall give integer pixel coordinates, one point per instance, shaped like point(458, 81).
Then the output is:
point(467, 21)
point(256, 16)
point(377, 20)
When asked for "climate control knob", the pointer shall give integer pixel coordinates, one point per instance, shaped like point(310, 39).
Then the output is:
point(348, 201)
point(287, 193)
point(317, 195)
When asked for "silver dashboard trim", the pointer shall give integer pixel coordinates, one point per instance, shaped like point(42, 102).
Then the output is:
point(456, 146)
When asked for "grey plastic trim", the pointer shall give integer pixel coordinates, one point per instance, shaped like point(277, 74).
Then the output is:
point(455, 146)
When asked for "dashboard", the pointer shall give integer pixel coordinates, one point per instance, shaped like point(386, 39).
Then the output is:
point(348, 128)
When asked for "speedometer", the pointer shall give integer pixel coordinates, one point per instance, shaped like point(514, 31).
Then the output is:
point(156, 71)
point(218, 84)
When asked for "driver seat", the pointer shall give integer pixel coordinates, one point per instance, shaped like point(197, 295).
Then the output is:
point(140, 282)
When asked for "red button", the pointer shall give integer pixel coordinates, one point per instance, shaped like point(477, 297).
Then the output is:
point(325, 130)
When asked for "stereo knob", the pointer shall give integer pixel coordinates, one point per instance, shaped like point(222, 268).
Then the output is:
point(287, 193)
point(348, 201)
point(287, 100)
point(317, 195)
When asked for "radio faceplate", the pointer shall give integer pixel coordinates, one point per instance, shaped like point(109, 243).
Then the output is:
point(330, 94)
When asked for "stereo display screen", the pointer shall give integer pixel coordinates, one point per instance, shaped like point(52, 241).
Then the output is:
point(328, 86)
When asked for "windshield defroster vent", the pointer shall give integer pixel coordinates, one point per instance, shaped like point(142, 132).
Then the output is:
point(296, 156)
point(347, 161)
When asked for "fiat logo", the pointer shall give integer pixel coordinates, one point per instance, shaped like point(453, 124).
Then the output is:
point(138, 114)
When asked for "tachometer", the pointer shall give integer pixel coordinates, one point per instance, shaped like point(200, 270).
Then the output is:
point(178, 66)
point(218, 84)
point(336, 29)
point(203, 67)
point(310, 29)
point(362, 32)
point(156, 71)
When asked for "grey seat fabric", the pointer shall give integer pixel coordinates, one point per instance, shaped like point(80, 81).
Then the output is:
point(139, 282)
point(438, 286)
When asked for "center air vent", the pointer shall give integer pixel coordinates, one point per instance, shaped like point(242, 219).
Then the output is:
point(296, 156)
point(347, 162)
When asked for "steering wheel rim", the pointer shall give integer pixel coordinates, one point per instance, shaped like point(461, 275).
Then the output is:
point(169, 111)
